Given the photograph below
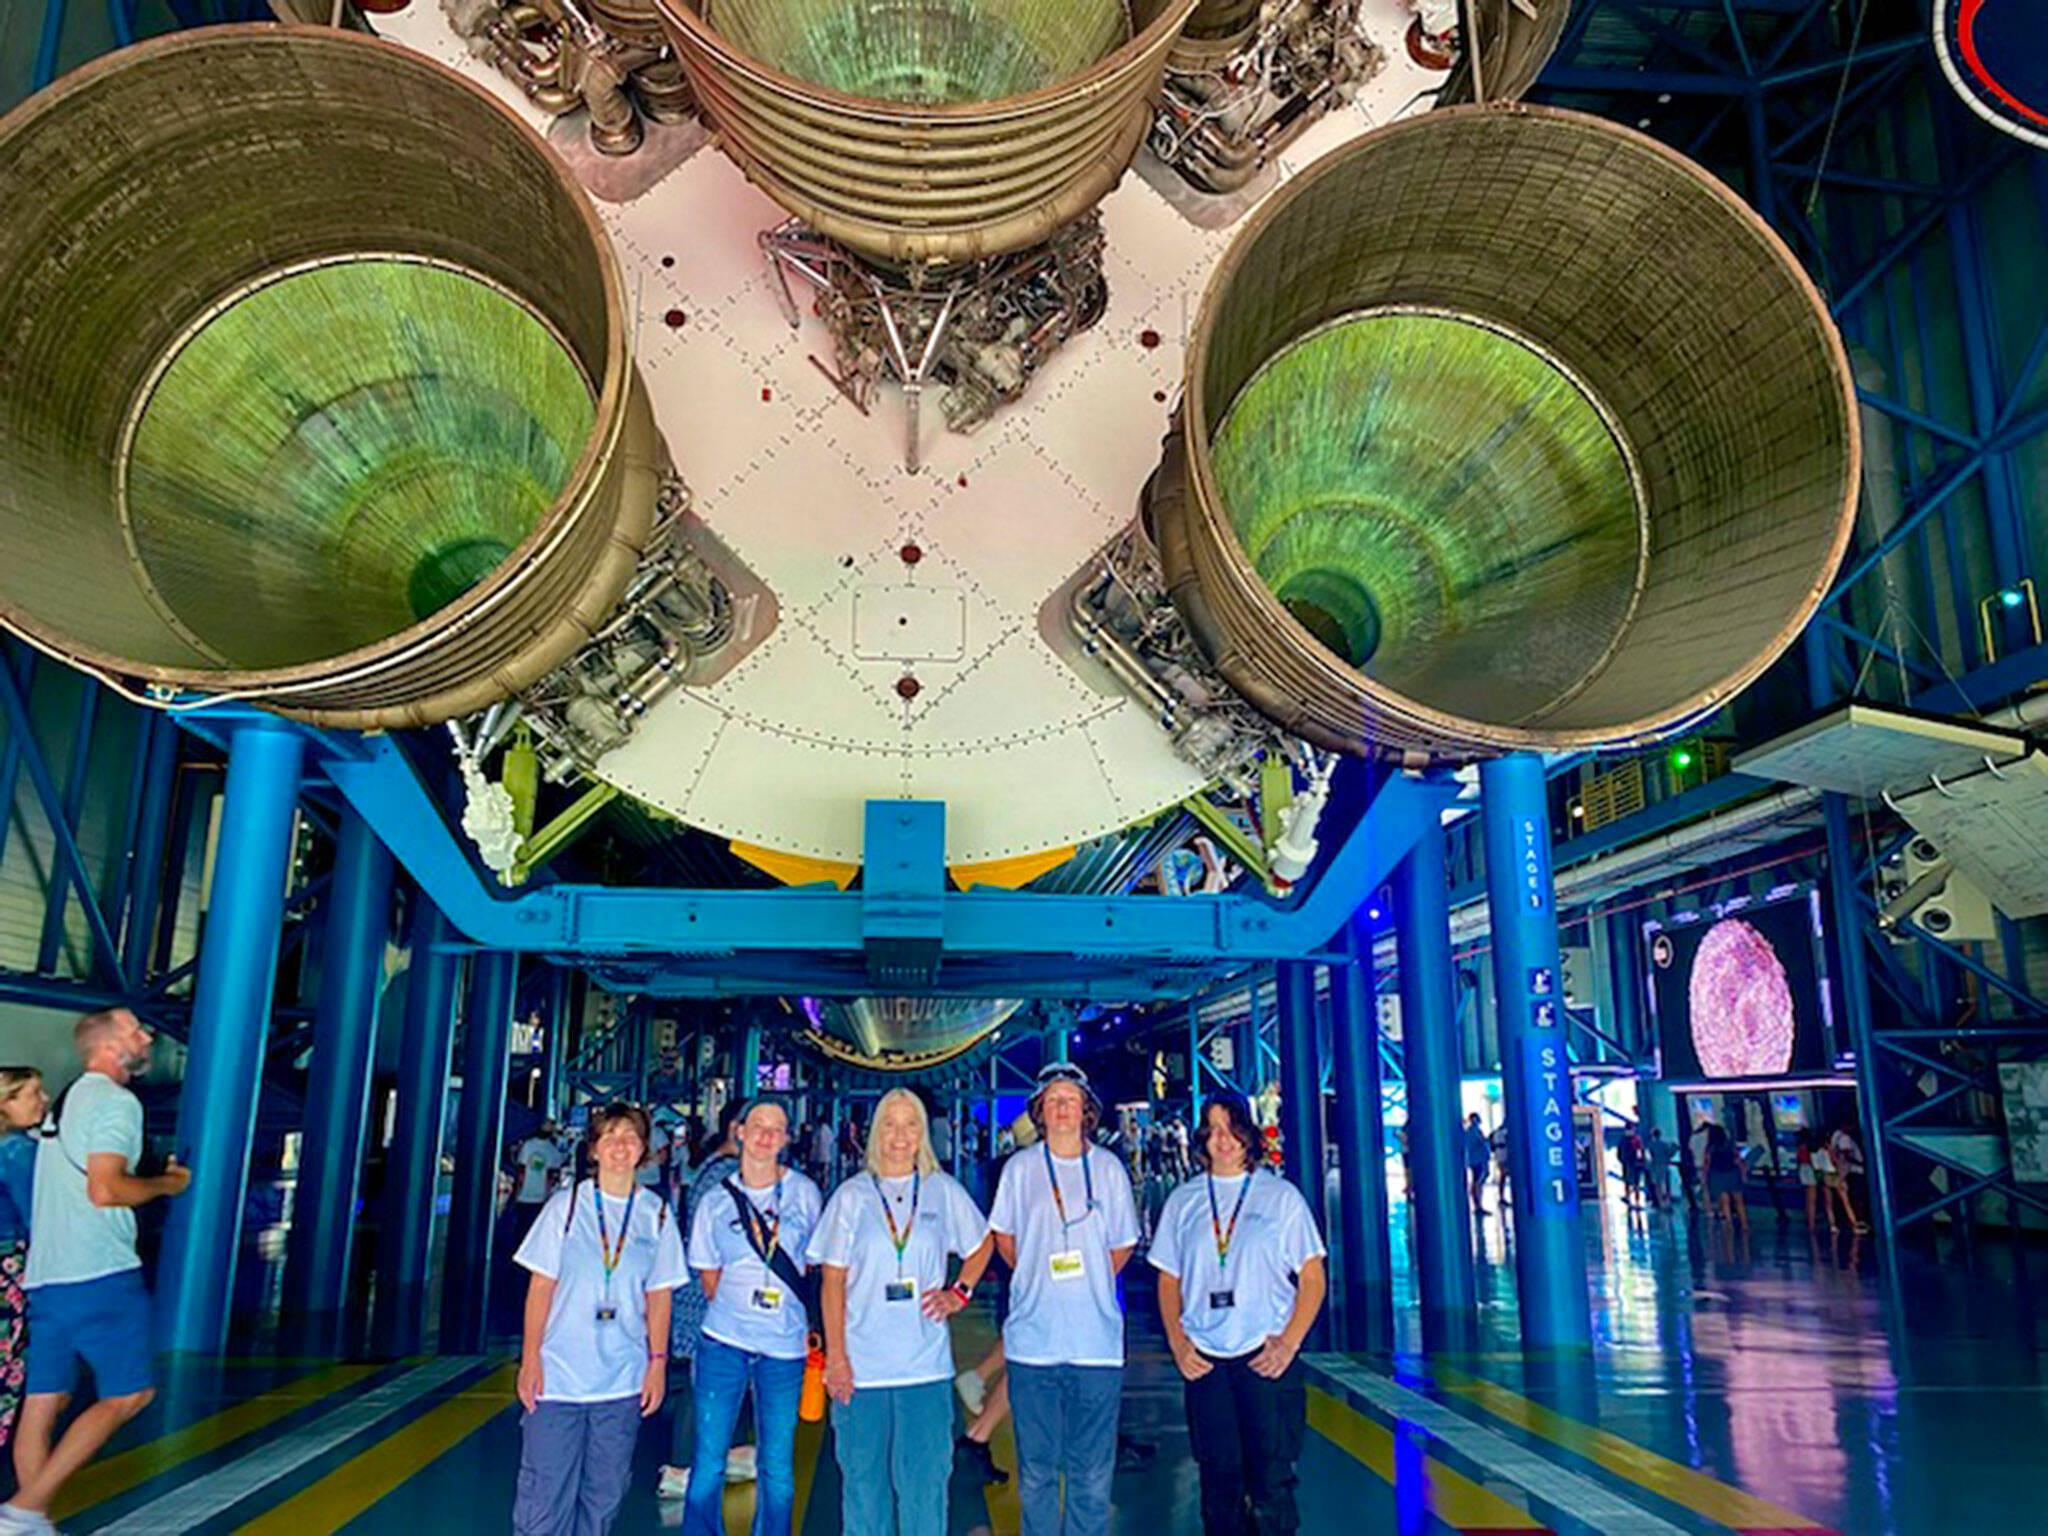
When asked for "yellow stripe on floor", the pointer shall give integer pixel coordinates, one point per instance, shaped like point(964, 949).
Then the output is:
point(355, 1485)
point(1453, 1498)
point(1668, 1479)
point(117, 1474)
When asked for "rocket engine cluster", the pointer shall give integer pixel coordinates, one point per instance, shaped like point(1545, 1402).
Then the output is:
point(1502, 428)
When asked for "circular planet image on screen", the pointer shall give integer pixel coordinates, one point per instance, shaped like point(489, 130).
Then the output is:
point(1740, 1003)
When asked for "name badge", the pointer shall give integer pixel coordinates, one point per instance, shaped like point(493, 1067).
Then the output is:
point(1222, 1301)
point(899, 1290)
point(768, 1299)
point(607, 1314)
point(1068, 1265)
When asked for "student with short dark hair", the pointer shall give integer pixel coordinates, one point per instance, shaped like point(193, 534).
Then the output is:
point(602, 1258)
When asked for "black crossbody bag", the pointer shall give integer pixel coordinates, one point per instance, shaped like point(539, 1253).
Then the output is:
point(800, 1284)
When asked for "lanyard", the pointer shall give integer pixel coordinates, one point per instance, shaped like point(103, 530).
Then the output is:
point(1059, 1200)
point(1222, 1233)
point(609, 1252)
point(899, 1237)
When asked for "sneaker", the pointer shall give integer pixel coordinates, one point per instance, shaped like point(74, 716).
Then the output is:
point(15, 1521)
point(973, 1392)
point(976, 1456)
point(739, 1464)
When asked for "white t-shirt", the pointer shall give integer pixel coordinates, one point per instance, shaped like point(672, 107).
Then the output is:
point(889, 1340)
point(754, 1309)
point(70, 1238)
point(1275, 1235)
point(538, 1158)
point(586, 1357)
point(1064, 1308)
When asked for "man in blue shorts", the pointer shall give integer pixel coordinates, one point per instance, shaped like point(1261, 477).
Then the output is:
point(86, 1300)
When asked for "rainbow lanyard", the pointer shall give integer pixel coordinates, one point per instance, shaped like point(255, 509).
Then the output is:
point(899, 1237)
point(1059, 1200)
point(1225, 1234)
point(609, 1252)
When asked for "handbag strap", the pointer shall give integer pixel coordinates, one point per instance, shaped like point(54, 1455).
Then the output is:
point(784, 1267)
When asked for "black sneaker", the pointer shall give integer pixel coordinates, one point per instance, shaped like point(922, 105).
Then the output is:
point(975, 1453)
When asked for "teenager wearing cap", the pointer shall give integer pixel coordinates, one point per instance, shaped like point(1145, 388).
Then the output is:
point(603, 1257)
point(747, 1241)
point(883, 1242)
point(1240, 1281)
point(1065, 1223)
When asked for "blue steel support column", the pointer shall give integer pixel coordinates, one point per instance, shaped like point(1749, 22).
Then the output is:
point(479, 1132)
point(1301, 1086)
point(1536, 1080)
point(152, 837)
point(412, 1167)
point(230, 1028)
point(748, 1081)
point(1845, 908)
point(358, 919)
point(1366, 1279)
point(1301, 1102)
point(1430, 1068)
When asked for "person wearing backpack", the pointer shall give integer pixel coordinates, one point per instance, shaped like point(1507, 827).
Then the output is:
point(747, 1240)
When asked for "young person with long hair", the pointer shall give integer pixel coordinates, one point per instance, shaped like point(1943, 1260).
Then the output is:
point(22, 1107)
point(1241, 1279)
point(883, 1242)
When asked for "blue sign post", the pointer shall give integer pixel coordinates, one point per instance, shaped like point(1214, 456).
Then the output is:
point(1550, 1258)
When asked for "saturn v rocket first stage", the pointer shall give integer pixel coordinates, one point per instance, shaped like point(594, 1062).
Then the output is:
point(327, 388)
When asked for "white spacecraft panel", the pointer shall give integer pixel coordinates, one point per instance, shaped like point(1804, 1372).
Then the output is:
point(787, 747)
point(1993, 824)
point(1865, 749)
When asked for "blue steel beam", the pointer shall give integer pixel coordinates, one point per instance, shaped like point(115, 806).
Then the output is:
point(1390, 812)
point(1357, 1112)
point(1536, 1081)
point(1442, 1243)
point(145, 881)
point(230, 1024)
point(77, 775)
point(413, 1164)
point(479, 1132)
point(14, 707)
point(358, 921)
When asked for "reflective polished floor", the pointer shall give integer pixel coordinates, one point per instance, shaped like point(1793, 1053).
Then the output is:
point(1758, 1384)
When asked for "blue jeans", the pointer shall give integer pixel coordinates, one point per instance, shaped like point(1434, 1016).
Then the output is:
point(720, 1379)
point(895, 1449)
point(1066, 1428)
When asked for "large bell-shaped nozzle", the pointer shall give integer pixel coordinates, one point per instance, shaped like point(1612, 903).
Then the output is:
point(929, 131)
point(1505, 428)
point(902, 1033)
point(316, 387)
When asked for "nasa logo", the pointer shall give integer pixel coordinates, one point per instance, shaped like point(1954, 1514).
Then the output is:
point(1990, 51)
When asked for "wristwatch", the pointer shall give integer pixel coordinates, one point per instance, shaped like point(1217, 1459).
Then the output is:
point(964, 1292)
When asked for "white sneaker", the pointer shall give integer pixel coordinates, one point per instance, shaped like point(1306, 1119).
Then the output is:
point(673, 1483)
point(15, 1521)
point(973, 1392)
point(739, 1464)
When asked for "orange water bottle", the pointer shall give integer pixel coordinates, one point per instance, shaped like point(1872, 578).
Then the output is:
point(810, 1406)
